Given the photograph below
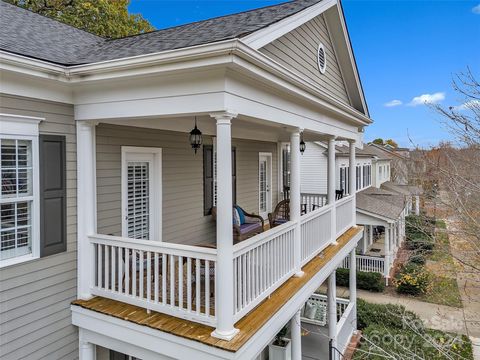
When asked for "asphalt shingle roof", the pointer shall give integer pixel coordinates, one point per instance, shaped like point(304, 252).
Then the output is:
point(381, 202)
point(26, 33)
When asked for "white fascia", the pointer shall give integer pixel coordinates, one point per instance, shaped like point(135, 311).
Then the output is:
point(388, 220)
point(225, 53)
point(260, 38)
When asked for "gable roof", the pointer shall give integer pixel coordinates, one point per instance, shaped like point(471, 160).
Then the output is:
point(386, 204)
point(27, 33)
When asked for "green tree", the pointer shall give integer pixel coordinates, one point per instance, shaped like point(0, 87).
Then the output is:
point(107, 18)
point(391, 142)
point(378, 141)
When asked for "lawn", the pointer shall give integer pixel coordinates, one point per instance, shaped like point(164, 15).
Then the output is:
point(432, 278)
point(391, 332)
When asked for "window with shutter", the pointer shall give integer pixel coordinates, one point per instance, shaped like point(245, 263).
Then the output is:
point(19, 189)
point(16, 198)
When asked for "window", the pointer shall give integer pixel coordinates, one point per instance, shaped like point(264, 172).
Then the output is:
point(344, 182)
point(210, 177)
point(17, 198)
point(19, 230)
point(141, 193)
point(286, 168)
point(367, 175)
point(358, 177)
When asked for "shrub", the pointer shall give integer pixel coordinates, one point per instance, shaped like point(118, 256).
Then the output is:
point(418, 259)
point(370, 281)
point(407, 344)
point(412, 280)
point(389, 315)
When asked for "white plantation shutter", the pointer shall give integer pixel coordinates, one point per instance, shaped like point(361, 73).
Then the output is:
point(263, 185)
point(138, 199)
point(16, 198)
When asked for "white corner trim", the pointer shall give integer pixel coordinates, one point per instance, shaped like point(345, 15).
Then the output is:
point(11, 124)
point(262, 37)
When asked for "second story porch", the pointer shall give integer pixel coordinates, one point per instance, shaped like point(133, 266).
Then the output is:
point(154, 240)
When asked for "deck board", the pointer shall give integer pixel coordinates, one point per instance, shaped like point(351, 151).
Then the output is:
point(248, 325)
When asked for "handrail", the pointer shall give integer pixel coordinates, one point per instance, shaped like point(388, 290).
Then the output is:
point(257, 240)
point(149, 245)
point(304, 218)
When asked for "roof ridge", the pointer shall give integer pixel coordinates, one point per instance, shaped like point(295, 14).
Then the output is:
point(53, 19)
point(204, 20)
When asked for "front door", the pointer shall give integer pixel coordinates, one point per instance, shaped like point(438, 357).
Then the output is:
point(265, 184)
point(141, 191)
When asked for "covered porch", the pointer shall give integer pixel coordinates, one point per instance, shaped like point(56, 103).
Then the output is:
point(146, 236)
point(154, 241)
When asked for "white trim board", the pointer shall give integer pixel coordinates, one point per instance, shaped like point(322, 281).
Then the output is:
point(264, 36)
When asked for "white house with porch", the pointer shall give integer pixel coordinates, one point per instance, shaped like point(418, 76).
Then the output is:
point(138, 174)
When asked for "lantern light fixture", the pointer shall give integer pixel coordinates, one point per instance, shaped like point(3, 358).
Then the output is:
point(196, 137)
point(302, 144)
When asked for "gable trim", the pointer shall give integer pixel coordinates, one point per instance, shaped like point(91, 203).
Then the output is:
point(262, 37)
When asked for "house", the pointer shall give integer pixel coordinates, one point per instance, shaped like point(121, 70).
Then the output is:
point(121, 163)
point(382, 204)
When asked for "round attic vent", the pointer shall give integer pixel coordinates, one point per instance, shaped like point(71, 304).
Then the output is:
point(321, 58)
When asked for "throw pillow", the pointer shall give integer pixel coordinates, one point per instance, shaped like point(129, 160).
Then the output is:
point(241, 215)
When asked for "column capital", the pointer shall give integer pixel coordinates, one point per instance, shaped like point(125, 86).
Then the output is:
point(351, 141)
point(331, 137)
point(224, 116)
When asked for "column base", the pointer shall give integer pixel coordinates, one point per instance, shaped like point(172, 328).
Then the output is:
point(225, 335)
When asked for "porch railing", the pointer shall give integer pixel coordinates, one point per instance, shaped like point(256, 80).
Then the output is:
point(260, 265)
point(315, 232)
point(179, 280)
point(170, 278)
point(366, 263)
point(311, 202)
point(342, 305)
point(344, 214)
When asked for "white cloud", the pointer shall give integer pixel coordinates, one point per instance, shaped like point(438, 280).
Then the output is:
point(469, 105)
point(476, 9)
point(427, 99)
point(393, 103)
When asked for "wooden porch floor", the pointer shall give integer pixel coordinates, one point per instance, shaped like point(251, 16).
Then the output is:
point(248, 325)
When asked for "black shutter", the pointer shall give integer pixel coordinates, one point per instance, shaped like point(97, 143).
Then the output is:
point(53, 206)
point(234, 176)
point(207, 179)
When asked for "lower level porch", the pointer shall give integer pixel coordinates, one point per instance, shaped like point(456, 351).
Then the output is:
point(256, 328)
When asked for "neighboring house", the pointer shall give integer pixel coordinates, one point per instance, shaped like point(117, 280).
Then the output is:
point(109, 244)
point(382, 205)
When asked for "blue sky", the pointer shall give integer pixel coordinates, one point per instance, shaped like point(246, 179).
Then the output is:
point(404, 49)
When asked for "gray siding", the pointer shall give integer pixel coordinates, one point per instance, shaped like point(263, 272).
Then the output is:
point(297, 51)
point(183, 220)
point(35, 319)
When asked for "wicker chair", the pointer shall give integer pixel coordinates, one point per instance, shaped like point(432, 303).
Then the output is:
point(253, 225)
point(281, 214)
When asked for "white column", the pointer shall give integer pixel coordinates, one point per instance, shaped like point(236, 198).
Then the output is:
point(224, 279)
point(417, 205)
point(370, 234)
point(295, 197)
point(332, 307)
point(352, 177)
point(86, 350)
point(365, 239)
point(353, 284)
point(387, 251)
point(296, 334)
point(86, 207)
point(331, 187)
